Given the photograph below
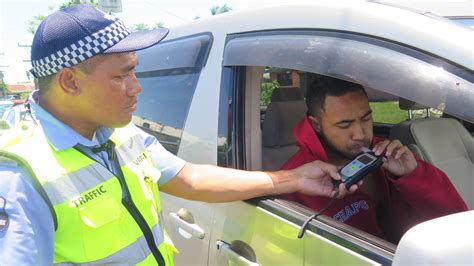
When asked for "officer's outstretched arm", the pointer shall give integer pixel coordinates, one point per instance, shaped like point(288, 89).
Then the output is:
point(217, 184)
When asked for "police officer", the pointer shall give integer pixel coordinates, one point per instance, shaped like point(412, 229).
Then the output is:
point(78, 185)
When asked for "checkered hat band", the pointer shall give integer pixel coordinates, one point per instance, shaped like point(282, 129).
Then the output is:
point(81, 50)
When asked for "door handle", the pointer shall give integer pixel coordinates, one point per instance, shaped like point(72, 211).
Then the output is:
point(234, 257)
point(185, 221)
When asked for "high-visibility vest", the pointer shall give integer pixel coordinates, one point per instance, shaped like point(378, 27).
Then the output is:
point(97, 220)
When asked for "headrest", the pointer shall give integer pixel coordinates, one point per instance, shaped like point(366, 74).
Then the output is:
point(406, 104)
point(287, 94)
point(280, 119)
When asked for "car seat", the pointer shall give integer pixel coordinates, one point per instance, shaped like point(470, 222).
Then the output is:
point(287, 107)
point(443, 142)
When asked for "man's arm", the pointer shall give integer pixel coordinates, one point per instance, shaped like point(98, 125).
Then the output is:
point(421, 191)
point(216, 184)
point(29, 237)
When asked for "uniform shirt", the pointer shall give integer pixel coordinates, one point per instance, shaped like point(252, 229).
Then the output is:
point(29, 238)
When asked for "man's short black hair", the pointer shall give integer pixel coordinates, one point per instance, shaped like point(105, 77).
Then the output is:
point(44, 83)
point(325, 86)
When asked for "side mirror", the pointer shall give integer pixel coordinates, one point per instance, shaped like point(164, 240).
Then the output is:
point(443, 241)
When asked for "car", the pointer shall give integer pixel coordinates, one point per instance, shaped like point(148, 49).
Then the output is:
point(228, 90)
point(14, 114)
point(5, 104)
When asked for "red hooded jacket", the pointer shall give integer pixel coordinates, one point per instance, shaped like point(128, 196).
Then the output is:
point(424, 194)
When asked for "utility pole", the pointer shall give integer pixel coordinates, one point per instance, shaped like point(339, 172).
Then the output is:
point(25, 46)
point(110, 6)
point(2, 83)
point(1, 55)
point(2, 92)
point(28, 74)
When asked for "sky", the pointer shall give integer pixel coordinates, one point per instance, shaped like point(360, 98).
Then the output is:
point(15, 15)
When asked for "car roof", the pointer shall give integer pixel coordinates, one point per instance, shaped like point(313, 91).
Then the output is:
point(450, 9)
point(432, 35)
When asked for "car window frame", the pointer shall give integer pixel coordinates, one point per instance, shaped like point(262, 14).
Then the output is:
point(449, 69)
point(160, 56)
point(168, 59)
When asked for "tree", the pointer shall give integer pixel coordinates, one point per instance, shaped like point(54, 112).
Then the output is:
point(159, 25)
point(215, 10)
point(144, 26)
point(267, 89)
point(77, 2)
point(3, 88)
point(34, 23)
point(139, 27)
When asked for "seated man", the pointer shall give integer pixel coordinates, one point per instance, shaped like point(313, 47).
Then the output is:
point(403, 192)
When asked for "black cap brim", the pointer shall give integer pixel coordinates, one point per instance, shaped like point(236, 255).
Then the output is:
point(138, 40)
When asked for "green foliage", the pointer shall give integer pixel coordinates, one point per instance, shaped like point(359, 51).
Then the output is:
point(215, 10)
point(24, 95)
point(3, 88)
point(77, 2)
point(34, 23)
point(388, 112)
point(266, 91)
point(159, 25)
point(139, 27)
point(4, 125)
point(144, 26)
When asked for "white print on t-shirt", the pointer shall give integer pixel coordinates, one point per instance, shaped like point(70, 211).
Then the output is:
point(348, 211)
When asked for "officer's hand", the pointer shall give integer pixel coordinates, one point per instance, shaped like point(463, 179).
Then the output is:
point(315, 178)
point(400, 160)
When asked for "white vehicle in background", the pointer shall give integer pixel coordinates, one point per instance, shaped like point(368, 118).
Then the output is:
point(206, 97)
point(13, 115)
point(4, 105)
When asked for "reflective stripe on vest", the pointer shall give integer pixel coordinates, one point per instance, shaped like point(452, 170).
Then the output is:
point(93, 224)
point(135, 253)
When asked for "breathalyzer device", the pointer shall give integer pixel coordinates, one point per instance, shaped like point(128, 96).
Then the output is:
point(358, 168)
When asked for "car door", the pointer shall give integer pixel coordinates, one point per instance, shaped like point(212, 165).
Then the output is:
point(169, 74)
point(264, 231)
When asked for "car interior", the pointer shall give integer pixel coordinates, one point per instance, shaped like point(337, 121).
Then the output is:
point(286, 109)
point(442, 141)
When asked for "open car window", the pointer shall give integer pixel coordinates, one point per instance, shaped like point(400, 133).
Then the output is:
point(376, 64)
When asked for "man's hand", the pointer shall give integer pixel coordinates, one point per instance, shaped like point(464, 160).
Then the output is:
point(315, 178)
point(400, 160)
